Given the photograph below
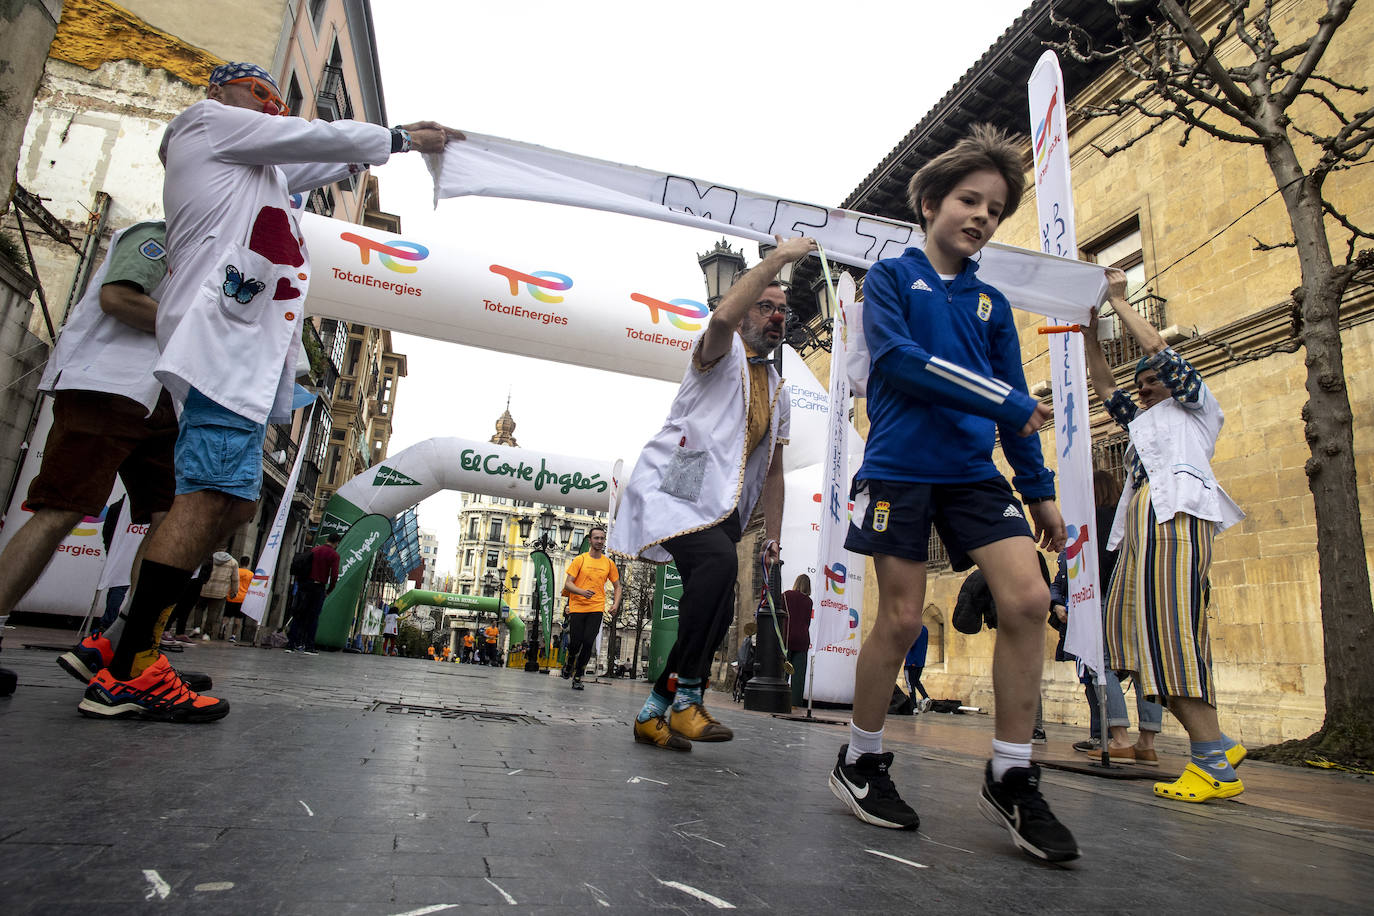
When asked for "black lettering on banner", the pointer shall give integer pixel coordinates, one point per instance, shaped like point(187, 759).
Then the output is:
point(788, 219)
point(883, 233)
point(716, 202)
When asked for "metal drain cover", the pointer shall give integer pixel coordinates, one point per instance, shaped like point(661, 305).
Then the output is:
point(450, 712)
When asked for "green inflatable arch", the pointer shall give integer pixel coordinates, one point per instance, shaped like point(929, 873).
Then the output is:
point(481, 605)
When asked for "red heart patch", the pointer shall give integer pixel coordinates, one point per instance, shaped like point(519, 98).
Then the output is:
point(285, 290)
point(272, 238)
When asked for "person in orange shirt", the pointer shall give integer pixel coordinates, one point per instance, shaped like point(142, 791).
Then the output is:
point(233, 605)
point(489, 647)
point(469, 644)
point(585, 587)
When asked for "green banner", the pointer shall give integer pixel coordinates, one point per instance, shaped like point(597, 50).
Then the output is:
point(546, 592)
point(339, 516)
point(364, 538)
point(667, 594)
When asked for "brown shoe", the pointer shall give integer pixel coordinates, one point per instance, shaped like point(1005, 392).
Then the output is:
point(697, 724)
point(1146, 755)
point(1122, 754)
point(655, 731)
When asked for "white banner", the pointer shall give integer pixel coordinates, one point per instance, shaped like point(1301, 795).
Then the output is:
point(1072, 434)
point(260, 589)
point(492, 167)
point(68, 583)
point(839, 593)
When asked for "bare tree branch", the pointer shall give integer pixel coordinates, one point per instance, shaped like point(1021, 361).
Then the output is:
point(1266, 246)
point(1241, 101)
point(1356, 233)
point(1337, 11)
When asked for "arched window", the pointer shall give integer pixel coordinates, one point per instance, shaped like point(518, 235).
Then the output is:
point(934, 619)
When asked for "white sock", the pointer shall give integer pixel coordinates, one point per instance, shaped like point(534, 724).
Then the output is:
point(1006, 755)
point(862, 742)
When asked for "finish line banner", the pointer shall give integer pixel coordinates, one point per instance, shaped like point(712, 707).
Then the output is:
point(482, 166)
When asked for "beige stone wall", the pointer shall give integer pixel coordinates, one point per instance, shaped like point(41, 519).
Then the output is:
point(1266, 623)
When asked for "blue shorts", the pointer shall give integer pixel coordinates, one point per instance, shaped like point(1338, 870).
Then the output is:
point(218, 450)
point(897, 516)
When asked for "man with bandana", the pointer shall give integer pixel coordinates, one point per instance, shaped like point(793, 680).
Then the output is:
point(696, 484)
point(228, 332)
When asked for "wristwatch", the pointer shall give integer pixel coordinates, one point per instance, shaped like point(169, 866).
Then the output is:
point(400, 140)
point(1030, 501)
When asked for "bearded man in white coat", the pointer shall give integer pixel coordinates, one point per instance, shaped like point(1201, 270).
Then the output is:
point(228, 328)
point(696, 483)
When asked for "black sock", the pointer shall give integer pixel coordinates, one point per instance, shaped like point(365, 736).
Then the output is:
point(159, 586)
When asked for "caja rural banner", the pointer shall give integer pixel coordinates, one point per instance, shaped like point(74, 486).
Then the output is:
point(548, 594)
point(493, 167)
point(1072, 434)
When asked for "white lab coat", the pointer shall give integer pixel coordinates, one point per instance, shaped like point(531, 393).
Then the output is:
point(230, 174)
point(98, 352)
point(693, 473)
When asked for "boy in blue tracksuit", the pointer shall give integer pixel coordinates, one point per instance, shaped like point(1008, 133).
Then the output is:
point(945, 380)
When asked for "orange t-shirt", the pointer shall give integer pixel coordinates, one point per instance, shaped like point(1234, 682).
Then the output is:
point(587, 572)
point(245, 580)
point(468, 641)
point(491, 633)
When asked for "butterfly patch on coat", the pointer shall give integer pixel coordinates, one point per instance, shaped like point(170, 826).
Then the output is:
point(239, 287)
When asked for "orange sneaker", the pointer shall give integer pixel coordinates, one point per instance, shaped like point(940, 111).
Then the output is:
point(158, 693)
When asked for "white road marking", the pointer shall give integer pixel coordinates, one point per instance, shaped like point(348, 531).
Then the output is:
point(685, 823)
point(474, 814)
point(307, 808)
point(636, 780)
point(700, 895)
point(947, 846)
point(214, 886)
point(513, 772)
point(428, 909)
point(697, 836)
point(596, 892)
point(888, 855)
point(156, 886)
point(509, 898)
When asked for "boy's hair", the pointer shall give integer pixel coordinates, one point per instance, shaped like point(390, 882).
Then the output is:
point(595, 528)
point(986, 147)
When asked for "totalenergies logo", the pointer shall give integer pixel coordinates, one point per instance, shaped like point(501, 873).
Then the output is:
point(88, 525)
point(1042, 131)
point(1078, 539)
point(388, 252)
point(834, 578)
point(677, 310)
point(535, 283)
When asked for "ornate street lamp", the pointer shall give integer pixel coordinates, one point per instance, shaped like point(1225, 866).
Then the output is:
point(542, 543)
point(720, 265)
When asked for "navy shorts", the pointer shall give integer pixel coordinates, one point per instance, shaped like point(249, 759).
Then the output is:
point(893, 518)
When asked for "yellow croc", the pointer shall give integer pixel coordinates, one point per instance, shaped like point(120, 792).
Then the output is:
point(1235, 754)
point(655, 731)
point(1196, 786)
point(696, 723)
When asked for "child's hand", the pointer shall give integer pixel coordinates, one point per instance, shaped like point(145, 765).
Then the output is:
point(1049, 526)
point(1038, 418)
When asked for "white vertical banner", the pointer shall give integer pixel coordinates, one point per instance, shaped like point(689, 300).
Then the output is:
point(1072, 436)
point(259, 590)
point(838, 592)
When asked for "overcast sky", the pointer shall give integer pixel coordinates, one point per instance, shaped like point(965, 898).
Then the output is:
point(801, 99)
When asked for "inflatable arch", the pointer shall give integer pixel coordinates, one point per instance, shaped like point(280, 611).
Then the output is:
point(361, 510)
point(416, 597)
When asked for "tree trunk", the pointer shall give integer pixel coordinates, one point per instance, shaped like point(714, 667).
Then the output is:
point(1347, 612)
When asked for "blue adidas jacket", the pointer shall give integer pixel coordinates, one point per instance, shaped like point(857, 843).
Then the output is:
point(945, 379)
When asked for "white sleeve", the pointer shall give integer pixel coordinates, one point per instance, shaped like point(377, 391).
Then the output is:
point(307, 176)
point(245, 137)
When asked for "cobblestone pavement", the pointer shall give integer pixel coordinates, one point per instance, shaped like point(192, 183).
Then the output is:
point(347, 784)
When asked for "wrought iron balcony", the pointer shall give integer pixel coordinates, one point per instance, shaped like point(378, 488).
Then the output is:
point(332, 102)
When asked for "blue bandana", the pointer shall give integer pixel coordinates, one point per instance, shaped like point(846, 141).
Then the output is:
point(1142, 366)
point(229, 72)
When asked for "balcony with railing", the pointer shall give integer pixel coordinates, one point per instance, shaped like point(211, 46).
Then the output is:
point(1121, 349)
point(332, 102)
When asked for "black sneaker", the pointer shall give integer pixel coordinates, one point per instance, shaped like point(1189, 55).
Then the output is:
point(1038, 736)
point(1088, 745)
point(577, 683)
point(868, 791)
point(1016, 803)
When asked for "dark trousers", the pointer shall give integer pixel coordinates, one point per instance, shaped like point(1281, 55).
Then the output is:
point(708, 565)
point(913, 680)
point(582, 630)
point(307, 618)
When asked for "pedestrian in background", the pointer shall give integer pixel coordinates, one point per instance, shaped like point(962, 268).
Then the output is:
point(797, 599)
